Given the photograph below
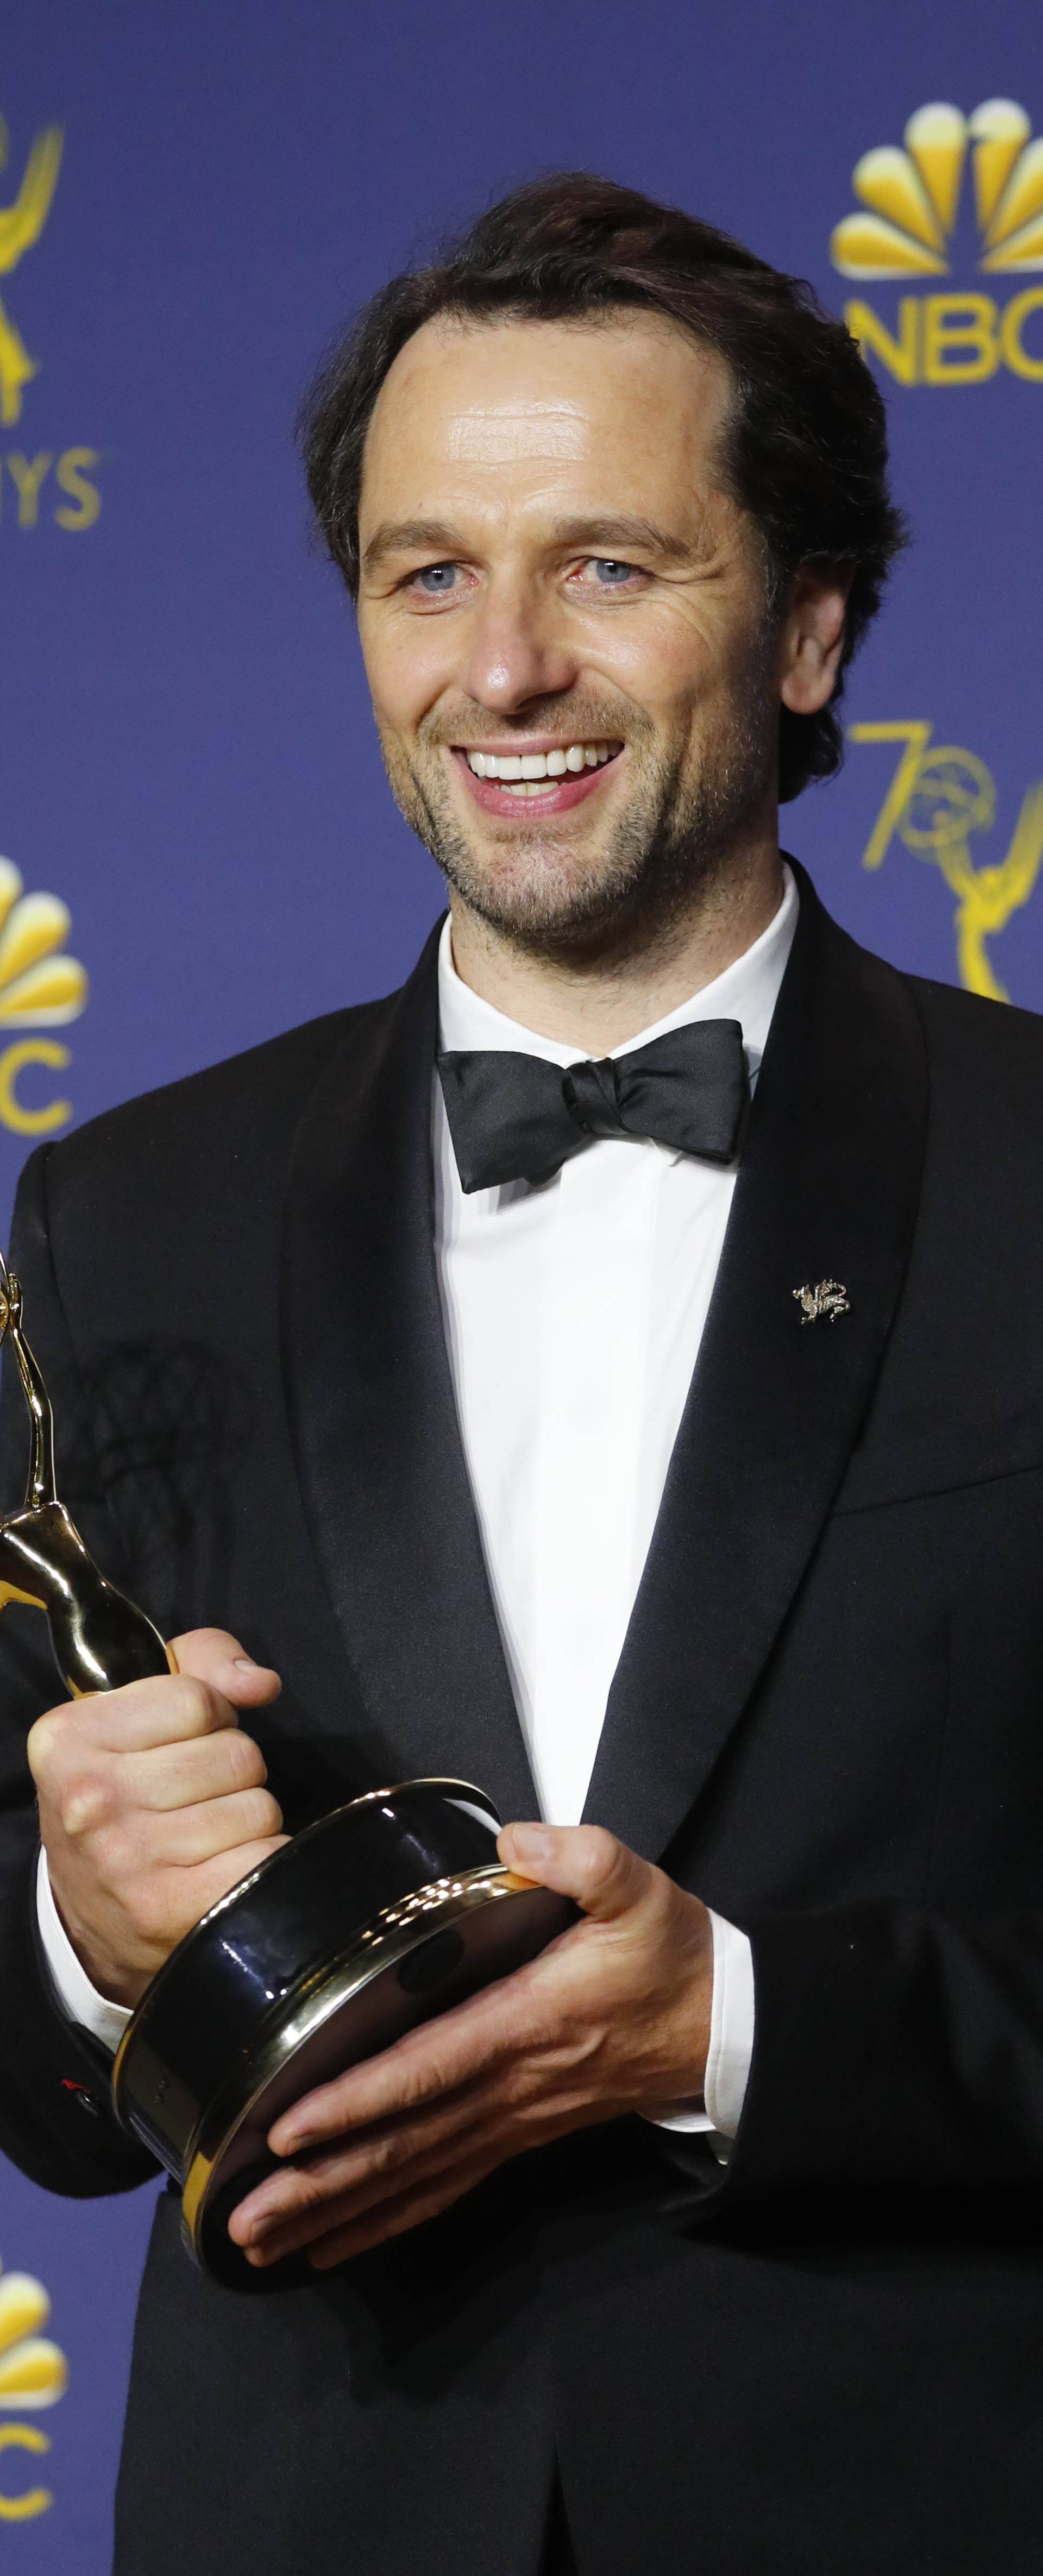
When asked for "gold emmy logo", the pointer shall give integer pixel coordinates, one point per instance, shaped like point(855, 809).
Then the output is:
point(40, 988)
point(63, 475)
point(33, 2374)
point(938, 797)
point(21, 224)
point(910, 199)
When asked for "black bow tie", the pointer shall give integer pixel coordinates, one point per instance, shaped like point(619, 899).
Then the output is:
point(518, 1118)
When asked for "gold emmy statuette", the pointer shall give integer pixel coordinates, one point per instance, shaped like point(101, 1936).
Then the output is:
point(99, 1638)
point(378, 1916)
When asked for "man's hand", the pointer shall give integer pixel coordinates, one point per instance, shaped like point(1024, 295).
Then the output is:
point(613, 2017)
point(152, 1804)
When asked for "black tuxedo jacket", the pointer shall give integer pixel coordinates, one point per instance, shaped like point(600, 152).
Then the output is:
point(826, 1720)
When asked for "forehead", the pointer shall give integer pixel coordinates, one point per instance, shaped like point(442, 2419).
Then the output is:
point(623, 412)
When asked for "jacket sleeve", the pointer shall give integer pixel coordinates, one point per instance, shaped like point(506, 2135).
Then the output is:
point(895, 2050)
point(56, 2120)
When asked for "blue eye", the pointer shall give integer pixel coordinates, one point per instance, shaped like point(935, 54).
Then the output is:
point(611, 573)
point(437, 578)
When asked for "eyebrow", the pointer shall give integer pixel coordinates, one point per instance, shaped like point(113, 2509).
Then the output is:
point(614, 535)
point(596, 534)
point(411, 536)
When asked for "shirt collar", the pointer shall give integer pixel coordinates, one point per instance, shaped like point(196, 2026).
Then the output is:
point(747, 991)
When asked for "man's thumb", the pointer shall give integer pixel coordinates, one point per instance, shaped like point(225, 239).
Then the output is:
point(581, 1861)
point(212, 1655)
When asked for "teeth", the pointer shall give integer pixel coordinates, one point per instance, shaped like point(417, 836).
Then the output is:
point(530, 768)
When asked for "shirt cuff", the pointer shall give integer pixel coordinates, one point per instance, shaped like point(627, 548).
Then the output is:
point(730, 2052)
point(105, 2021)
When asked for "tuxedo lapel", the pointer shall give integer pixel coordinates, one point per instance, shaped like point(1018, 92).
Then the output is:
point(372, 1413)
point(827, 1190)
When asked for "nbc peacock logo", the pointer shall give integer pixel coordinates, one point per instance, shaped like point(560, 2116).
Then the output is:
point(915, 221)
point(33, 2374)
point(41, 988)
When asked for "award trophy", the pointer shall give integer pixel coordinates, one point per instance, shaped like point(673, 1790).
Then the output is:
point(361, 1926)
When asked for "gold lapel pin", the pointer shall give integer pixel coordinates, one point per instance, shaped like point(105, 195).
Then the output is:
point(825, 1301)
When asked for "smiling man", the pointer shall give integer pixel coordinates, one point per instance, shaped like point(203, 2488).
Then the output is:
point(623, 1435)
point(596, 643)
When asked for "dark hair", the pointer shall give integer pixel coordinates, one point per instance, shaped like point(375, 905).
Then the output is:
point(807, 444)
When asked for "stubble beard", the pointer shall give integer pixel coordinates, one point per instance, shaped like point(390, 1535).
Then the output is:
point(677, 837)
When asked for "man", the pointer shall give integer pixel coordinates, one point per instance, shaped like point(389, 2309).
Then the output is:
point(608, 1369)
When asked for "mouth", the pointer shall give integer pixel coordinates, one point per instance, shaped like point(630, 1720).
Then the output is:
point(531, 783)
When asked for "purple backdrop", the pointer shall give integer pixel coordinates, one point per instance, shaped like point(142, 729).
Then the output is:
point(189, 760)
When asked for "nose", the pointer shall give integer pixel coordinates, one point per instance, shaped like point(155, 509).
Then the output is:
point(517, 649)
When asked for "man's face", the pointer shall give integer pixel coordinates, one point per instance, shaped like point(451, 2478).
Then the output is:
point(553, 577)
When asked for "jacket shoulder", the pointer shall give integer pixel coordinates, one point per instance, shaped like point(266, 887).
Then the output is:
point(973, 1025)
point(985, 1059)
point(984, 1064)
point(247, 1103)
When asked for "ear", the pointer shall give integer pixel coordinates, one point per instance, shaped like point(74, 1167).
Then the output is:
point(811, 638)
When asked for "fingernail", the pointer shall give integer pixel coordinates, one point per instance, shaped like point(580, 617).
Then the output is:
point(245, 1664)
point(531, 1842)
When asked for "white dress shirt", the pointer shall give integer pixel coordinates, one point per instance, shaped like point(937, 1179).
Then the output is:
point(573, 1314)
